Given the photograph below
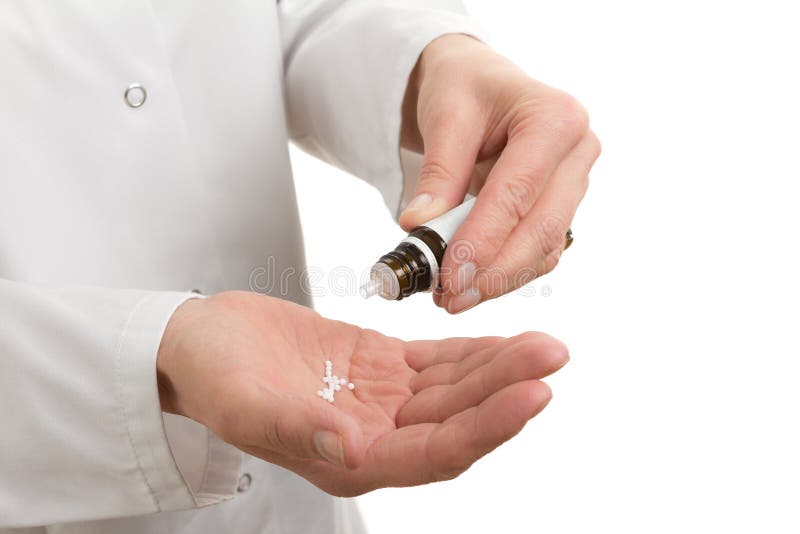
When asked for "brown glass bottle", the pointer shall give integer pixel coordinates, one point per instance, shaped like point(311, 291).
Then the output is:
point(414, 264)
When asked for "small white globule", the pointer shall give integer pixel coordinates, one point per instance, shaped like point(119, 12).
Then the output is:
point(334, 383)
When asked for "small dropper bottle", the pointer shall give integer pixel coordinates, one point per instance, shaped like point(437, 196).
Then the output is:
point(414, 264)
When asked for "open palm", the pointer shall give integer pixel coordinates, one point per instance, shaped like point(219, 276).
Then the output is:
point(249, 366)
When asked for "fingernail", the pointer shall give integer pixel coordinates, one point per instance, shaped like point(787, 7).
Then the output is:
point(464, 276)
point(464, 301)
point(329, 446)
point(419, 201)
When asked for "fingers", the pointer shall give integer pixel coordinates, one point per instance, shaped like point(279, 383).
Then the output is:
point(452, 142)
point(532, 245)
point(540, 136)
point(453, 372)
point(423, 354)
point(430, 452)
point(535, 246)
point(473, 433)
point(427, 452)
point(532, 357)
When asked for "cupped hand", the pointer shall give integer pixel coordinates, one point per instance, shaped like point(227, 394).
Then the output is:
point(248, 367)
point(526, 149)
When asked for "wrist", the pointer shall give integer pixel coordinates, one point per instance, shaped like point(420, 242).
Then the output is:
point(168, 363)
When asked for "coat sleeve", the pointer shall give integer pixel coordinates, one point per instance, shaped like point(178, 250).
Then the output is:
point(82, 433)
point(346, 67)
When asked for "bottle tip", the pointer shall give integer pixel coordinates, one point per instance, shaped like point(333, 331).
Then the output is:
point(371, 288)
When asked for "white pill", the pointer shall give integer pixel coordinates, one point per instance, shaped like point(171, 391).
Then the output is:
point(338, 387)
point(351, 386)
point(320, 393)
point(343, 381)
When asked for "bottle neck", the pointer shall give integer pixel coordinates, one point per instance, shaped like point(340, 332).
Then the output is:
point(414, 263)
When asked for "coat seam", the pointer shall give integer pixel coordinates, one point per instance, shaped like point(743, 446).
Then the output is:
point(121, 398)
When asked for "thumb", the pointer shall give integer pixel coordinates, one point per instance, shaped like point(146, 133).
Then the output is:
point(315, 430)
point(451, 148)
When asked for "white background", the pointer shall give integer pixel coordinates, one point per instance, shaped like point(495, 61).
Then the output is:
point(679, 299)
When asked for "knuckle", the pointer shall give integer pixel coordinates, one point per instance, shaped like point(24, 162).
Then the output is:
point(551, 232)
point(450, 468)
point(518, 195)
point(567, 117)
point(550, 261)
point(595, 147)
point(444, 476)
point(434, 172)
point(449, 462)
point(524, 189)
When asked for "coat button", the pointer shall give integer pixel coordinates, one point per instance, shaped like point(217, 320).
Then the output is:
point(135, 95)
point(244, 483)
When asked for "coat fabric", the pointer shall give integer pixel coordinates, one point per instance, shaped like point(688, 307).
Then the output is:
point(144, 154)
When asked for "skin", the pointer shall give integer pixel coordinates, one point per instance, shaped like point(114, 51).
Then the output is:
point(247, 366)
point(524, 148)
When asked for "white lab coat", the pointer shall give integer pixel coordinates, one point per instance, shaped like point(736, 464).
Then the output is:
point(110, 215)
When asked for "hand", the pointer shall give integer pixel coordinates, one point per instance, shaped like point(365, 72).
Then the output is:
point(248, 367)
point(523, 147)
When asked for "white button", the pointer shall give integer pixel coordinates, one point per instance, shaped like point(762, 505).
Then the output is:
point(244, 483)
point(135, 95)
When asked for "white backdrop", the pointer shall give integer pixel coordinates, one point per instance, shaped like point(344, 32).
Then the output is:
point(679, 299)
